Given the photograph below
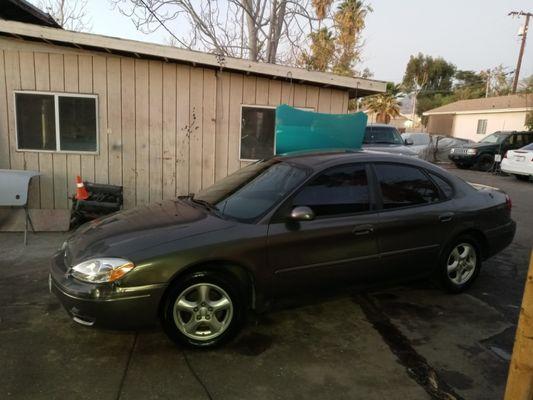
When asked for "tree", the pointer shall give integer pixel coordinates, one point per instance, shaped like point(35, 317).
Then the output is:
point(70, 14)
point(469, 85)
point(498, 81)
point(337, 48)
point(349, 23)
point(253, 29)
point(322, 51)
point(428, 79)
point(385, 105)
point(529, 120)
point(304, 32)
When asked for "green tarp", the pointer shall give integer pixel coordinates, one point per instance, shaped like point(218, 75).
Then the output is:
point(298, 130)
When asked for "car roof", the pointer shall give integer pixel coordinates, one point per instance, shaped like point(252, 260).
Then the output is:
point(319, 159)
point(380, 126)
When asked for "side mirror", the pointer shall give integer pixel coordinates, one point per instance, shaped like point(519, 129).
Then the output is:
point(408, 142)
point(302, 213)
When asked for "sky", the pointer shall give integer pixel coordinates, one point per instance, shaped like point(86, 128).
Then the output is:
point(472, 34)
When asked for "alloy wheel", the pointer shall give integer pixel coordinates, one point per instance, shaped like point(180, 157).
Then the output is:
point(461, 263)
point(203, 311)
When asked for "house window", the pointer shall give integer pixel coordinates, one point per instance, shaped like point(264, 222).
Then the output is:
point(481, 126)
point(56, 122)
point(257, 132)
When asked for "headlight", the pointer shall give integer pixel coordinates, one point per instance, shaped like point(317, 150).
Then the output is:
point(100, 270)
point(471, 152)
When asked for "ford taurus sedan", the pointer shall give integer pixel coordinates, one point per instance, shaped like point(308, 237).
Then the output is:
point(276, 227)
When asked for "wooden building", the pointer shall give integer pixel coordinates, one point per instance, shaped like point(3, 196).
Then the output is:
point(157, 120)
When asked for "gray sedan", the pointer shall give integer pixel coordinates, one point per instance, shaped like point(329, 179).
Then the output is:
point(276, 228)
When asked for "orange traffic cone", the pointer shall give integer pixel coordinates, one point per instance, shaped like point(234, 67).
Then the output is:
point(81, 192)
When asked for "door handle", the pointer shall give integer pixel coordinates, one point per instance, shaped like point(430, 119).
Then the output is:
point(446, 217)
point(363, 230)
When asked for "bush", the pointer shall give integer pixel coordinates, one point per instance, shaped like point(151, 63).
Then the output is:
point(529, 120)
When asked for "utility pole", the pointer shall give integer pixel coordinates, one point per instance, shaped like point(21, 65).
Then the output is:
point(522, 46)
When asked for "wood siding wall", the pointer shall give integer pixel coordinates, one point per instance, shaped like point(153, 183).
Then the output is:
point(165, 129)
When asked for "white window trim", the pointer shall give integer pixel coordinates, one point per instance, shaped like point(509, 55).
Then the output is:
point(240, 127)
point(485, 123)
point(56, 116)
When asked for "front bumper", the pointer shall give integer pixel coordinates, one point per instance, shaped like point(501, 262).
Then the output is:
point(104, 305)
point(463, 159)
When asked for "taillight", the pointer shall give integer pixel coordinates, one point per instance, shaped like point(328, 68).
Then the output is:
point(508, 202)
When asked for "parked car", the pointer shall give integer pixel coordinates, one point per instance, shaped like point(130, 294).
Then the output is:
point(433, 147)
point(519, 162)
point(386, 138)
point(276, 228)
point(481, 154)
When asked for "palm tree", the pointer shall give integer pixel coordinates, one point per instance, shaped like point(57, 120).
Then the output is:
point(385, 105)
point(321, 51)
point(349, 22)
point(321, 8)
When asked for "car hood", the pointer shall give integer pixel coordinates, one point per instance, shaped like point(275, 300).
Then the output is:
point(127, 232)
point(480, 145)
point(390, 148)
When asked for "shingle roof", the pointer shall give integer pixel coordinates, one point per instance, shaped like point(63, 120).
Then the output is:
point(23, 11)
point(515, 101)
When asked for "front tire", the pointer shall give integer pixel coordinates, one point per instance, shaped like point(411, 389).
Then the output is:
point(460, 264)
point(203, 309)
point(485, 162)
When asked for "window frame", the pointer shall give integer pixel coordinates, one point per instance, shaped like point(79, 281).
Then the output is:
point(379, 194)
point(260, 106)
point(483, 123)
point(443, 196)
point(57, 122)
point(279, 214)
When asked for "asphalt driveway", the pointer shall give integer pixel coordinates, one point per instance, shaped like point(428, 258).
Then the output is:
point(408, 342)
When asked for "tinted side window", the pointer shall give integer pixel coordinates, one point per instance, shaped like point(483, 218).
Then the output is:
point(403, 186)
point(446, 188)
point(340, 190)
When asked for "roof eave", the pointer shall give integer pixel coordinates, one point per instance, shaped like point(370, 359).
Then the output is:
point(490, 111)
point(356, 87)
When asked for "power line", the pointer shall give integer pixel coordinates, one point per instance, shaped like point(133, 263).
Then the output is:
point(522, 46)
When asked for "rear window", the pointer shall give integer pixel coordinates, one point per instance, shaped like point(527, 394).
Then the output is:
point(404, 186)
point(444, 185)
point(382, 135)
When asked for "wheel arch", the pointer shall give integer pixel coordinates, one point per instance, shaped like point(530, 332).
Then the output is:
point(240, 274)
point(476, 234)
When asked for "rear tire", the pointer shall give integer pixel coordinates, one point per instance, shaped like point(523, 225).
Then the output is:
point(460, 264)
point(522, 177)
point(203, 310)
point(485, 162)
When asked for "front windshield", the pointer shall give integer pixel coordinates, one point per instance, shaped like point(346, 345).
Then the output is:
point(496, 138)
point(382, 135)
point(251, 191)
